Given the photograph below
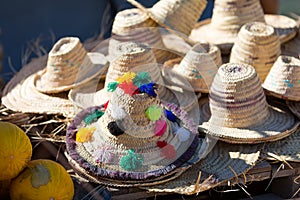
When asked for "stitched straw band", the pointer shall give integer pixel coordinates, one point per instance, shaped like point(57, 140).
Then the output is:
point(283, 80)
point(20, 94)
point(198, 66)
point(129, 151)
point(224, 162)
point(286, 149)
point(134, 25)
point(238, 111)
point(68, 66)
point(257, 45)
point(227, 19)
point(179, 16)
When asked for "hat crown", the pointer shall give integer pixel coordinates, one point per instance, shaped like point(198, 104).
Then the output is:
point(236, 97)
point(232, 14)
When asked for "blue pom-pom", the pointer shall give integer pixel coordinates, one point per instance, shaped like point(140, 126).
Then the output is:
point(148, 88)
point(170, 116)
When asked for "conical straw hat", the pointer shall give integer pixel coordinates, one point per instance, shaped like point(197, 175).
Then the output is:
point(133, 56)
point(179, 15)
point(223, 163)
point(134, 25)
point(135, 137)
point(238, 111)
point(283, 79)
point(198, 66)
point(257, 45)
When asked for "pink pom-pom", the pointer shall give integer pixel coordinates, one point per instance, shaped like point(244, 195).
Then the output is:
point(168, 151)
point(160, 127)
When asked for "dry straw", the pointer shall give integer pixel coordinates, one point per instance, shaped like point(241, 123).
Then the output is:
point(102, 155)
point(69, 65)
point(198, 66)
point(134, 25)
point(283, 80)
point(179, 16)
point(238, 112)
point(257, 45)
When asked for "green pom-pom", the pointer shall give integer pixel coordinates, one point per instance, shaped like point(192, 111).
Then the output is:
point(154, 112)
point(141, 78)
point(112, 86)
point(93, 117)
point(131, 161)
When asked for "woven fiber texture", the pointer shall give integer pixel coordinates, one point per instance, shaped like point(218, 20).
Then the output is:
point(238, 112)
point(258, 45)
point(283, 80)
point(198, 66)
point(227, 19)
point(69, 65)
point(224, 162)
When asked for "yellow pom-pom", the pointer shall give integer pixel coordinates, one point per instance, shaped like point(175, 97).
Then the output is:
point(127, 77)
point(85, 134)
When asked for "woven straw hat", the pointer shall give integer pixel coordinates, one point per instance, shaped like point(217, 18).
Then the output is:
point(134, 25)
point(223, 163)
point(133, 56)
point(198, 66)
point(179, 16)
point(257, 45)
point(69, 65)
point(134, 138)
point(283, 80)
point(238, 111)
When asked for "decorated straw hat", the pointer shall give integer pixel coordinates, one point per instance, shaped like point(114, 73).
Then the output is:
point(134, 25)
point(134, 139)
point(133, 56)
point(222, 164)
point(198, 66)
point(230, 15)
point(69, 65)
point(21, 95)
point(179, 16)
point(283, 80)
point(238, 111)
point(257, 45)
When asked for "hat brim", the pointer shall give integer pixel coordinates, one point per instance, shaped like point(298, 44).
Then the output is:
point(292, 47)
point(285, 28)
point(279, 124)
point(109, 176)
point(223, 163)
point(294, 107)
point(85, 74)
point(20, 94)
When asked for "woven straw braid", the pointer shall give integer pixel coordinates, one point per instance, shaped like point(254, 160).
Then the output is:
point(283, 80)
point(257, 45)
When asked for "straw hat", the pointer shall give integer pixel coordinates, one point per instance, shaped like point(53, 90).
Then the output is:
point(134, 138)
point(224, 162)
point(134, 25)
point(257, 45)
point(238, 111)
point(283, 79)
point(198, 66)
point(286, 149)
point(133, 56)
point(292, 47)
point(69, 65)
point(230, 15)
point(179, 16)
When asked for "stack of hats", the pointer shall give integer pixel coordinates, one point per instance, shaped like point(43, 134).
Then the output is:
point(134, 139)
point(258, 45)
point(179, 16)
point(42, 85)
point(134, 25)
point(230, 15)
point(198, 66)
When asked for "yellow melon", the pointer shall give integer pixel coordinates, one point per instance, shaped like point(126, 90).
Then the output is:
point(15, 150)
point(42, 179)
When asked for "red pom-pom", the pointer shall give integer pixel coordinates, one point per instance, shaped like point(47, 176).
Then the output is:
point(169, 152)
point(161, 144)
point(106, 104)
point(129, 88)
